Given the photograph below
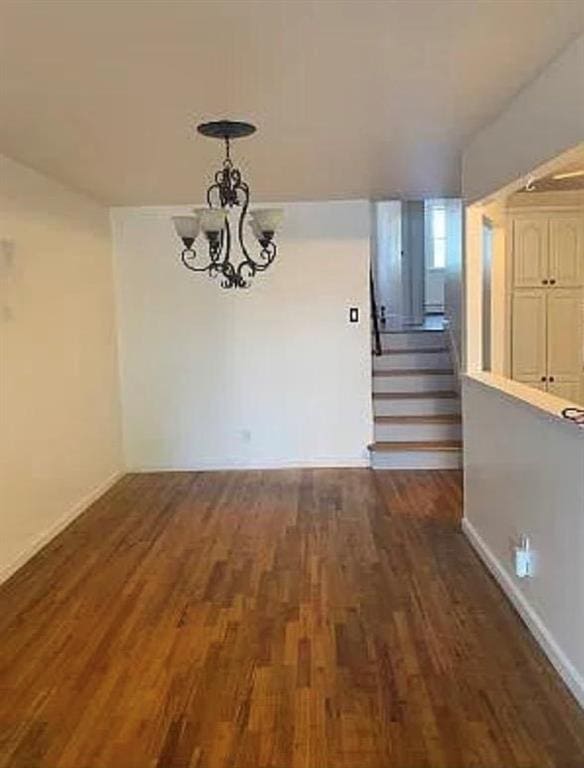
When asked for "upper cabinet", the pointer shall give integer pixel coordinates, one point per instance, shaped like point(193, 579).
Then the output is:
point(530, 252)
point(566, 250)
point(548, 250)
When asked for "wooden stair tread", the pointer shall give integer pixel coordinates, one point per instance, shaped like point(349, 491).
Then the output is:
point(437, 418)
point(441, 394)
point(416, 372)
point(422, 351)
point(417, 445)
point(411, 330)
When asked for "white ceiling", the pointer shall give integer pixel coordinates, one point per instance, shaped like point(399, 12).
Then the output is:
point(353, 98)
point(550, 182)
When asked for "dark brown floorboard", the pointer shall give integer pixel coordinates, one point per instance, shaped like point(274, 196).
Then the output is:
point(291, 619)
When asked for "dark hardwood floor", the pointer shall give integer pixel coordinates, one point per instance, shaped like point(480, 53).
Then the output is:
point(290, 619)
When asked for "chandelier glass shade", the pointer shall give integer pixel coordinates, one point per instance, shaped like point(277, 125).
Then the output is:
point(213, 252)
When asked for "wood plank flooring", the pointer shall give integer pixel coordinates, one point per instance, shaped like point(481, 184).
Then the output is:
point(286, 619)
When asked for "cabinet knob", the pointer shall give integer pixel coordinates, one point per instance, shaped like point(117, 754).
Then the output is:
point(545, 282)
point(543, 378)
point(552, 282)
point(551, 378)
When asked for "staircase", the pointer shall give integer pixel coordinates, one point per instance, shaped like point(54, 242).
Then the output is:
point(415, 403)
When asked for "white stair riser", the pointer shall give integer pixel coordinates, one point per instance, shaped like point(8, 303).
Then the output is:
point(410, 360)
point(412, 340)
point(416, 383)
point(427, 406)
point(391, 433)
point(416, 460)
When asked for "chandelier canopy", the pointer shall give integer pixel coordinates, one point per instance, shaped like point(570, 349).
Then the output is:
point(228, 191)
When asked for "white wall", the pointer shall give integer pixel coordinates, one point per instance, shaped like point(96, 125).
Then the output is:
point(59, 400)
point(523, 466)
point(545, 119)
point(524, 475)
point(272, 376)
point(387, 258)
point(453, 276)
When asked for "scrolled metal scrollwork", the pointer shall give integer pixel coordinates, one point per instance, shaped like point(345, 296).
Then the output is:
point(228, 191)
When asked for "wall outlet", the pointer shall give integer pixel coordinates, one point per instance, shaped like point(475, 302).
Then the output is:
point(523, 559)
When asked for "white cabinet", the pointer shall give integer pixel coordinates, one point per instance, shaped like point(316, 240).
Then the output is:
point(565, 267)
point(529, 336)
point(548, 250)
point(564, 338)
point(530, 251)
point(547, 307)
point(568, 390)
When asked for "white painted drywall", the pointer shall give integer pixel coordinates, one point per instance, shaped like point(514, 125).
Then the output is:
point(545, 119)
point(387, 258)
point(268, 377)
point(524, 475)
point(524, 469)
point(59, 396)
point(453, 283)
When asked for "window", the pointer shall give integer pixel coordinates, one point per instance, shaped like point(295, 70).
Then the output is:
point(438, 234)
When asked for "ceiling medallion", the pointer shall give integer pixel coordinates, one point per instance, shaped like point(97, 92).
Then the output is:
point(228, 191)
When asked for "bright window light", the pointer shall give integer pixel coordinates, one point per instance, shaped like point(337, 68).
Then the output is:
point(438, 237)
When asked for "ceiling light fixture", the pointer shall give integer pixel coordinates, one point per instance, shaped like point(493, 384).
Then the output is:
point(568, 175)
point(228, 191)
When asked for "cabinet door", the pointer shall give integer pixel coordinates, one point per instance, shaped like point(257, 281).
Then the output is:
point(568, 390)
point(566, 249)
point(528, 343)
point(564, 336)
point(530, 252)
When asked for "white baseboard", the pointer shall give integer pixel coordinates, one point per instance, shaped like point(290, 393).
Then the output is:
point(7, 571)
point(211, 465)
point(536, 625)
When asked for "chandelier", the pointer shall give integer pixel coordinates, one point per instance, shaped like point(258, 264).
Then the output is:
point(228, 191)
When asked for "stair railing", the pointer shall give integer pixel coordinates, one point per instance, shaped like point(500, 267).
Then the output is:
point(374, 317)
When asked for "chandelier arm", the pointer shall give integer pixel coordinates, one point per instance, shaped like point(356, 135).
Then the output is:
point(214, 187)
point(248, 264)
point(226, 237)
point(244, 282)
point(190, 253)
point(269, 252)
point(242, 216)
point(229, 276)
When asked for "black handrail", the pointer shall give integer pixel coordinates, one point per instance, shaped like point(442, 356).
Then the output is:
point(374, 317)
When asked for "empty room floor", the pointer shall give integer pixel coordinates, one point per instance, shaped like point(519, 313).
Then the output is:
point(283, 619)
